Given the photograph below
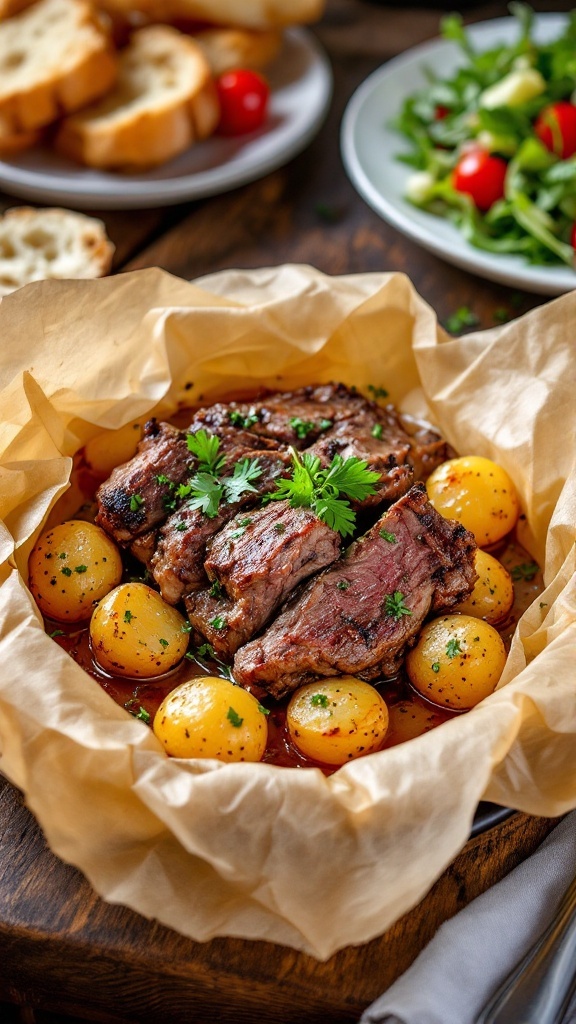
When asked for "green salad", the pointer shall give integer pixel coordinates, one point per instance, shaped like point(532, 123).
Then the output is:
point(493, 148)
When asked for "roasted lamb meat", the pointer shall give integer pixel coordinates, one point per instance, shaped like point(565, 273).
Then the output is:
point(132, 501)
point(178, 562)
point(253, 564)
point(360, 615)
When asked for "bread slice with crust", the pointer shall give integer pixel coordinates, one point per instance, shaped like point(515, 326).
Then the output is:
point(55, 57)
point(51, 243)
point(164, 101)
point(10, 7)
point(232, 13)
point(231, 48)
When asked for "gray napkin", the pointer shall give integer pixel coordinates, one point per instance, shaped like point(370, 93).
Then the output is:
point(472, 953)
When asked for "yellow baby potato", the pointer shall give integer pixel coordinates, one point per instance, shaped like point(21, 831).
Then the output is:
point(335, 720)
point(211, 717)
point(493, 594)
point(135, 633)
point(71, 568)
point(477, 493)
point(457, 661)
point(408, 719)
point(113, 447)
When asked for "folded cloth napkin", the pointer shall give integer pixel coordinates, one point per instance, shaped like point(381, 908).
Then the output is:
point(472, 953)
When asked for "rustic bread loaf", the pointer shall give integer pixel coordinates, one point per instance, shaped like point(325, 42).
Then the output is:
point(230, 48)
point(55, 57)
point(10, 7)
point(50, 243)
point(165, 99)
point(249, 13)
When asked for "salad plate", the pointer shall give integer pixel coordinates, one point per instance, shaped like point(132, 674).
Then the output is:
point(301, 90)
point(370, 148)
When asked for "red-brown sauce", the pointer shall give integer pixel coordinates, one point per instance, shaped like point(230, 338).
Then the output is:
point(410, 714)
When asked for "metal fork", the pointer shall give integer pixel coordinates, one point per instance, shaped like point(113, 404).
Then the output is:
point(539, 988)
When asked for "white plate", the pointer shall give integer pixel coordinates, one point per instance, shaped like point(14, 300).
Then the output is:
point(370, 147)
point(301, 90)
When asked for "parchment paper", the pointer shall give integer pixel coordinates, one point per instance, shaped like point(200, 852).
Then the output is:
point(256, 850)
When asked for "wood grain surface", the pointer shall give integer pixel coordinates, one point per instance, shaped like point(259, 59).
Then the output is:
point(63, 952)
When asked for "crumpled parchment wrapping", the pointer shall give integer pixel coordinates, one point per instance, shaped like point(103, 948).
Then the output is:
point(256, 850)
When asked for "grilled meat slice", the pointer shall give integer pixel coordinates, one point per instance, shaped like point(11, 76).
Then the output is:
point(294, 418)
point(178, 562)
point(360, 615)
point(376, 438)
point(254, 563)
point(133, 500)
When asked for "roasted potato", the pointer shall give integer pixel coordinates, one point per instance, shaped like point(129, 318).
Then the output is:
point(335, 720)
point(72, 567)
point(134, 632)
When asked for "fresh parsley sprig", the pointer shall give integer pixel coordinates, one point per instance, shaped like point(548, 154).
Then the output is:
point(321, 489)
point(206, 448)
point(208, 488)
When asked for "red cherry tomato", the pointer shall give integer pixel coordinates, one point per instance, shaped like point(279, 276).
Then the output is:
point(481, 176)
point(243, 96)
point(556, 127)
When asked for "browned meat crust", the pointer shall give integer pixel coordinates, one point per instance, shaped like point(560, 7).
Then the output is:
point(178, 563)
point(132, 501)
point(343, 621)
point(254, 563)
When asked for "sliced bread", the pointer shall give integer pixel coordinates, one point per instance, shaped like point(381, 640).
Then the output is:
point(55, 57)
point(10, 7)
point(230, 48)
point(45, 243)
point(165, 99)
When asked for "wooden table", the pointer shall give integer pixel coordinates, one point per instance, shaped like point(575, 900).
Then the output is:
point(62, 950)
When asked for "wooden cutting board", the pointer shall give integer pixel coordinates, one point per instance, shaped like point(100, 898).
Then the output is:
point(63, 949)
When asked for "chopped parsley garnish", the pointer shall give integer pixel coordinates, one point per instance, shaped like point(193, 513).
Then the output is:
point(241, 530)
point(216, 589)
point(525, 571)
point(435, 666)
point(319, 700)
point(161, 478)
point(128, 615)
point(56, 632)
point(80, 568)
point(462, 318)
point(207, 488)
point(141, 713)
point(164, 643)
point(279, 527)
point(218, 622)
point(386, 535)
point(377, 431)
point(394, 605)
point(234, 718)
point(453, 648)
point(301, 427)
point(263, 710)
point(205, 651)
point(181, 526)
point(206, 447)
point(136, 502)
point(343, 584)
point(62, 555)
point(237, 419)
point(321, 489)
point(378, 392)
point(66, 571)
